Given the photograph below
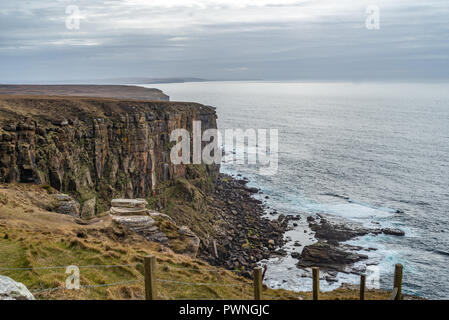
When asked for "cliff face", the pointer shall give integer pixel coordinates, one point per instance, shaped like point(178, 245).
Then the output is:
point(95, 149)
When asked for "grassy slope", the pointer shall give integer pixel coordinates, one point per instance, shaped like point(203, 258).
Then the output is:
point(30, 236)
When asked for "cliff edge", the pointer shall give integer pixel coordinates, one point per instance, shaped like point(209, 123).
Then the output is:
point(94, 148)
point(105, 91)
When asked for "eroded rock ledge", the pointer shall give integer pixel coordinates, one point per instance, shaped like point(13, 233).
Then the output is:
point(153, 226)
point(330, 252)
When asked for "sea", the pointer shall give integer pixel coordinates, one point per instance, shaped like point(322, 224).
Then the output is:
point(370, 154)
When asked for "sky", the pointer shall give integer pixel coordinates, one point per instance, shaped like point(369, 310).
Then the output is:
point(342, 40)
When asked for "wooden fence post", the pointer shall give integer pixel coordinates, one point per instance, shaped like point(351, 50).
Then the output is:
point(316, 282)
point(398, 281)
point(362, 286)
point(258, 283)
point(150, 278)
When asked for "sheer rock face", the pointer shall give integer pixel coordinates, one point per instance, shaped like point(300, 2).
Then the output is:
point(95, 149)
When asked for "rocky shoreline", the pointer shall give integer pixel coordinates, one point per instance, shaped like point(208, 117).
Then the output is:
point(244, 236)
point(331, 253)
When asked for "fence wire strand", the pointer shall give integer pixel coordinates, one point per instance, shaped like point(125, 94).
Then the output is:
point(139, 280)
point(64, 267)
point(88, 286)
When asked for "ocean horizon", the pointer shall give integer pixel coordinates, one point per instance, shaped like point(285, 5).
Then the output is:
point(372, 154)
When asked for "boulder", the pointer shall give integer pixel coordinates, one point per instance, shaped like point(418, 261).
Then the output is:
point(252, 190)
point(337, 232)
point(393, 232)
point(67, 205)
point(129, 203)
point(12, 290)
point(88, 209)
point(328, 257)
point(128, 207)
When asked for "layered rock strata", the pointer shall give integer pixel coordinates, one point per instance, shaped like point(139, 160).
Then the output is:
point(94, 149)
point(153, 226)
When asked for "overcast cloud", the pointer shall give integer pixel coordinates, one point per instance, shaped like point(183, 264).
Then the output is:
point(224, 39)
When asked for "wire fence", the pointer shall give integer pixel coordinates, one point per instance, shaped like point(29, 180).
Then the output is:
point(150, 277)
point(65, 267)
point(140, 280)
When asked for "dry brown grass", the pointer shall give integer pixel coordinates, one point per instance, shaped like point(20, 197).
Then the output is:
point(32, 237)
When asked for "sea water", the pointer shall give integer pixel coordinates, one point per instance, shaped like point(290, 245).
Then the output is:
point(375, 154)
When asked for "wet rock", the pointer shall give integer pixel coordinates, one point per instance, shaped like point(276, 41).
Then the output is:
point(295, 255)
point(280, 252)
point(128, 207)
point(328, 257)
point(129, 203)
point(253, 190)
point(310, 219)
point(67, 205)
point(393, 232)
point(282, 218)
point(336, 232)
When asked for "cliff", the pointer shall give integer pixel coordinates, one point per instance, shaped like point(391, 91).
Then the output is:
point(95, 149)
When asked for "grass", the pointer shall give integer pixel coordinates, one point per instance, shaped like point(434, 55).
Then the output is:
point(41, 238)
point(32, 237)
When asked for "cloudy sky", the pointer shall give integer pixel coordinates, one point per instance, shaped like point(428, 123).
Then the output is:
point(224, 39)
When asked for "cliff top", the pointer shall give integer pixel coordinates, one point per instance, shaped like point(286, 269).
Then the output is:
point(33, 237)
point(106, 91)
point(14, 107)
